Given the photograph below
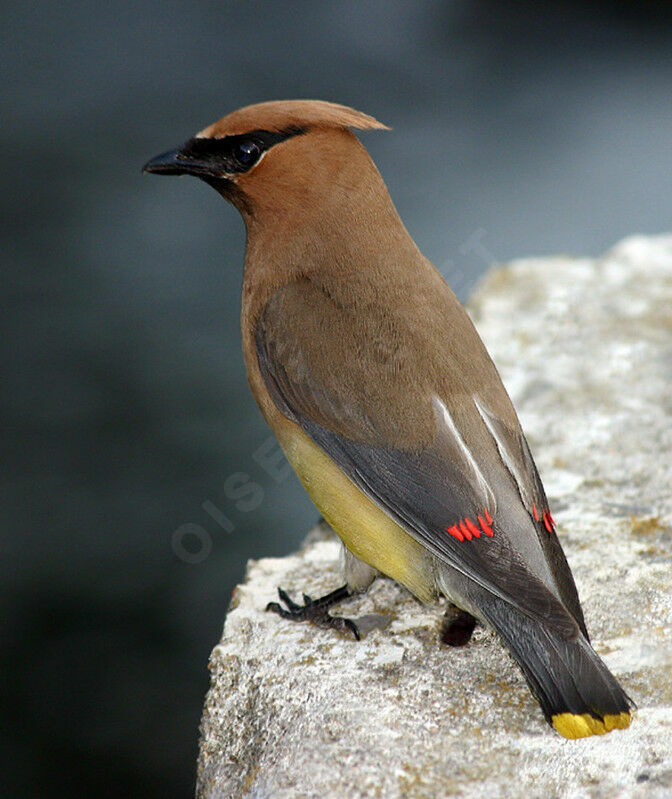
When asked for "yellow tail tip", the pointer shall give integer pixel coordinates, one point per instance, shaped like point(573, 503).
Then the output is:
point(571, 725)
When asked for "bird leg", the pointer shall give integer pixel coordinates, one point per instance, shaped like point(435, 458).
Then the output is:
point(457, 626)
point(316, 610)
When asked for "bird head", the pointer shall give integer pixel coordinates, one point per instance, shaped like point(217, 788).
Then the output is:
point(271, 153)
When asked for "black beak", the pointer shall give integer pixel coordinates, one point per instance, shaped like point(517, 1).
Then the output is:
point(174, 162)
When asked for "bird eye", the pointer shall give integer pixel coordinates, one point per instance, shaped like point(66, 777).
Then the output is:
point(247, 153)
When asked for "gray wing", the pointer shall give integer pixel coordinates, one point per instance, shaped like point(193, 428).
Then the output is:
point(437, 492)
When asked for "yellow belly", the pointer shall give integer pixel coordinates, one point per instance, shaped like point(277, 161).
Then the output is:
point(364, 528)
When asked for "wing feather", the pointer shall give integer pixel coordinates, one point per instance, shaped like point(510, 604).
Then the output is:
point(425, 490)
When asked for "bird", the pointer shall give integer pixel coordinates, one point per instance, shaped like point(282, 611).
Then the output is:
point(387, 404)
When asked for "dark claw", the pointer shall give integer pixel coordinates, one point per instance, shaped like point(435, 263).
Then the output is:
point(457, 627)
point(287, 600)
point(315, 610)
point(343, 624)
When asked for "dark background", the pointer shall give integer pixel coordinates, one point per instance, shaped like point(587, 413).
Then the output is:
point(519, 129)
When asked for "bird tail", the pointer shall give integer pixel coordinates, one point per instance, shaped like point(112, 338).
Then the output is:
point(577, 693)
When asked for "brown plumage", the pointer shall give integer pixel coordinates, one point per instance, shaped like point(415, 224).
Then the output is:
point(386, 402)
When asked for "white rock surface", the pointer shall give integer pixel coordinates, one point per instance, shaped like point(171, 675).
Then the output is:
point(585, 349)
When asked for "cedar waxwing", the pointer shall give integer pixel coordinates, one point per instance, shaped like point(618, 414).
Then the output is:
point(387, 404)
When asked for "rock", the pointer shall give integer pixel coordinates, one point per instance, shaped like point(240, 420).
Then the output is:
point(585, 349)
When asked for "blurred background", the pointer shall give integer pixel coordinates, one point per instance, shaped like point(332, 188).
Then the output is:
point(519, 129)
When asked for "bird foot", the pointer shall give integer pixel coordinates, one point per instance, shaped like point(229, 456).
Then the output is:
point(315, 610)
point(457, 626)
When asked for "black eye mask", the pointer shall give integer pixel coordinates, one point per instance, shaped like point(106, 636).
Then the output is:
point(233, 154)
